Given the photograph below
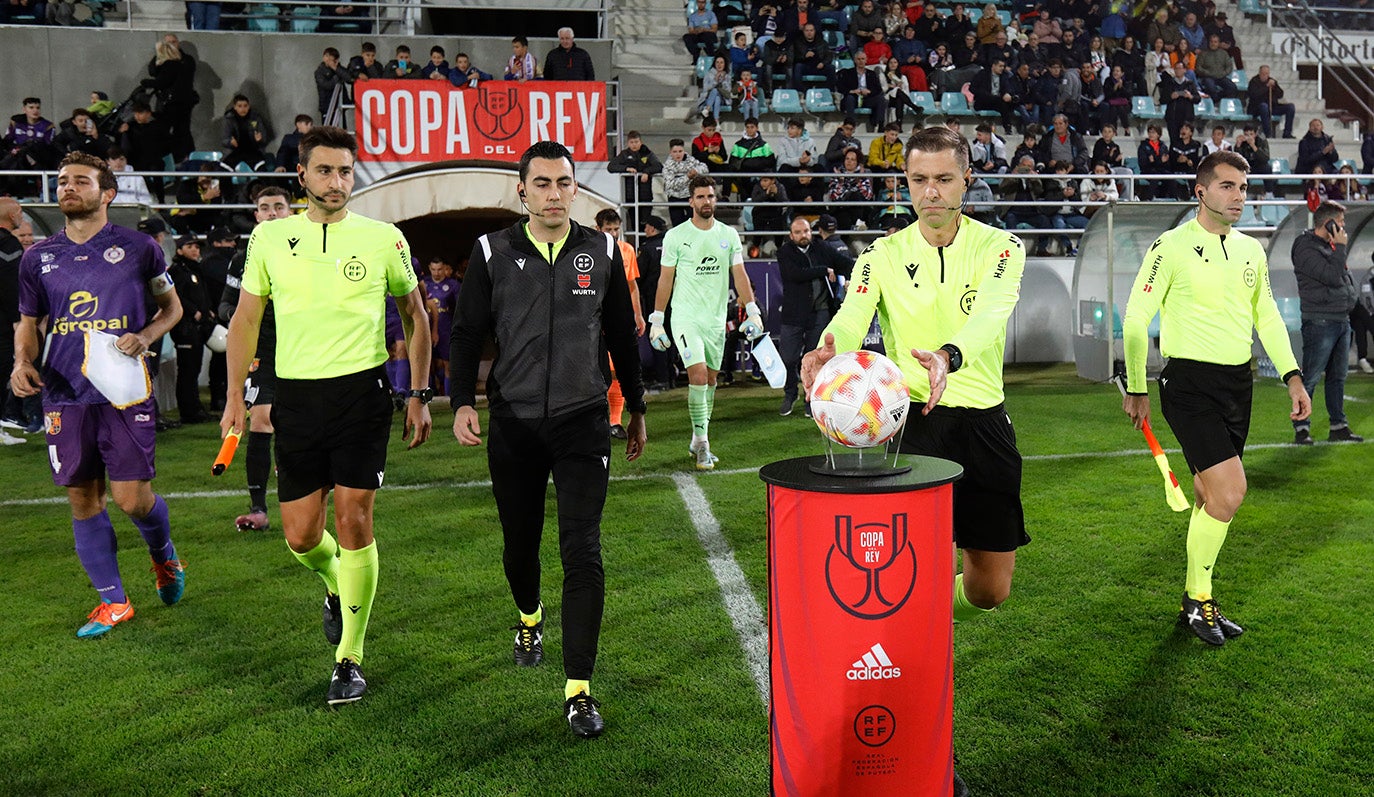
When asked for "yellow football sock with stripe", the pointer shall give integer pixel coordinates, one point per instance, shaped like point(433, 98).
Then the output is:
point(323, 559)
point(1206, 535)
point(573, 687)
point(963, 610)
point(357, 587)
point(532, 620)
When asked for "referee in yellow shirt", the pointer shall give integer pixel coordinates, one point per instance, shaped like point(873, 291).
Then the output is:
point(1210, 286)
point(328, 272)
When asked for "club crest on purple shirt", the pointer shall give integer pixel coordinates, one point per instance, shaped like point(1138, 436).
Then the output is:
point(54, 423)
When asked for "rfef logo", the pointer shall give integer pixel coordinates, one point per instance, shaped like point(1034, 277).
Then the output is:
point(871, 568)
point(874, 725)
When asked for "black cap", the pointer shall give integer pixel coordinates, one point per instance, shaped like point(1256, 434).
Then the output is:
point(152, 226)
point(100, 95)
point(187, 240)
point(827, 222)
point(221, 234)
point(657, 221)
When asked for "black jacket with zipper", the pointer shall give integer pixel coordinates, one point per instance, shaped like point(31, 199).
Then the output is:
point(547, 322)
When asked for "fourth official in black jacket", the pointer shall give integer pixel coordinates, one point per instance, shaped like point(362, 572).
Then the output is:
point(808, 269)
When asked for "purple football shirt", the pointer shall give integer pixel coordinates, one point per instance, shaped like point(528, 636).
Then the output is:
point(105, 284)
point(445, 292)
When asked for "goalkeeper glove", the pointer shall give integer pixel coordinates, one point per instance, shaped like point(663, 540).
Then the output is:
point(658, 336)
point(753, 322)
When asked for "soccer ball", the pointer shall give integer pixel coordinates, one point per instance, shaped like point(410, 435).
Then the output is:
point(859, 399)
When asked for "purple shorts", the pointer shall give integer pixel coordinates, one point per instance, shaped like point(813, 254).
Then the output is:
point(88, 441)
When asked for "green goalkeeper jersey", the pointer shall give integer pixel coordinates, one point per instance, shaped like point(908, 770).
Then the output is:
point(1211, 292)
point(927, 296)
point(701, 261)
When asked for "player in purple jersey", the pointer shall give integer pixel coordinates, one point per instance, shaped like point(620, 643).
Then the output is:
point(398, 360)
point(94, 277)
point(442, 290)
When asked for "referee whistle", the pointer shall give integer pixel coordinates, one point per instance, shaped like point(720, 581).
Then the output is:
point(226, 452)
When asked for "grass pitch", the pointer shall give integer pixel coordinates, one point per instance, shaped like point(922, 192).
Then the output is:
point(1080, 685)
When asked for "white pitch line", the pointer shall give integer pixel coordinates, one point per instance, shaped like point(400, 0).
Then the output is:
point(194, 494)
point(740, 602)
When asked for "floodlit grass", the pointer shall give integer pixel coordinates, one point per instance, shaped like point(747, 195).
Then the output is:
point(1080, 685)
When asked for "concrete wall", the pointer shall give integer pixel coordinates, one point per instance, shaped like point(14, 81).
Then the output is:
point(64, 65)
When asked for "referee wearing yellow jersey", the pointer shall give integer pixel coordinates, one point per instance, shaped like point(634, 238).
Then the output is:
point(328, 272)
point(1210, 286)
point(943, 289)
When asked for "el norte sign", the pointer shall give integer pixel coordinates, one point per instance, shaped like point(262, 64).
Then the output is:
point(416, 121)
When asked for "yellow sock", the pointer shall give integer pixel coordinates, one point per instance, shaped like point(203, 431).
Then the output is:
point(1205, 537)
point(573, 687)
point(532, 620)
point(963, 609)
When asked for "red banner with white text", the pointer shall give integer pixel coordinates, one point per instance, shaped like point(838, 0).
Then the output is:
point(418, 121)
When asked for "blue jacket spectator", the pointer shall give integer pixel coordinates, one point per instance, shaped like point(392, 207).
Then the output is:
point(464, 73)
point(437, 64)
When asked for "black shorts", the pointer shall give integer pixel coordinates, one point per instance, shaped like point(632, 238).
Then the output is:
point(261, 385)
point(987, 501)
point(331, 432)
point(1208, 408)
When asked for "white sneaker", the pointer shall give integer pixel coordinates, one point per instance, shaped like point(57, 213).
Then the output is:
point(1365, 366)
point(705, 459)
point(7, 439)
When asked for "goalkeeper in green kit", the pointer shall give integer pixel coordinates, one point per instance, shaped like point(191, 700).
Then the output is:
point(699, 255)
point(1210, 285)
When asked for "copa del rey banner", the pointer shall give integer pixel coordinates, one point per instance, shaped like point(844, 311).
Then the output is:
point(422, 120)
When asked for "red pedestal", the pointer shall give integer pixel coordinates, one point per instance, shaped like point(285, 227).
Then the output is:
point(861, 575)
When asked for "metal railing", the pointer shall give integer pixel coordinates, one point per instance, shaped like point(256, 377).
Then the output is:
point(1305, 25)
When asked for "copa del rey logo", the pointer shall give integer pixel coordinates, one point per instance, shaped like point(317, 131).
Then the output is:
point(874, 665)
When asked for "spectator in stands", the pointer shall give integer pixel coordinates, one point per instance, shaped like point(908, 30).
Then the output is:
point(743, 55)
point(715, 90)
point(808, 187)
point(1353, 191)
point(885, 153)
point(1100, 187)
point(146, 143)
point(203, 15)
point(1218, 141)
point(842, 139)
point(246, 133)
point(1000, 48)
point(862, 23)
point(877, 50)
point(639, 165)
point(173, 75)
point(763, 20)
point(1214, 68)
point(989, 25)
point(1045, 94)
point(1185, 153)
point(197, 200)
point(1069, 214)
point(897, 210)
point(1097, 58)
point(1254, 148)
point(1071, 51)
point(987, 152)
point(793, 19)
point(288, 154)
point(862, 88)
point(1062, 145)
point(1192, 32)
point(1037, 54)
point(897, 92)
point(777, 58)
point(751, 153)
point(364, 66)
point(402, 66)
point(522, 65)
point(1047, 30)
point(1222, 30)
point(747, 89)
point(463, 73)
point(1114, 24)
point(768, 217)
point(1068, 99)
point(567, 61)
point(811, 56)
point(956, 26)
point(1183, 54)
point(1160, 28)
point(849, 184)
point(1093, 102)
point(1152, 157)
point(437, 68)
point(895, 21)
point(1265, 97)
point(328, 77)
point(1022, 86)
point(132, 189)
point(1180, 95)
point(1116, 108)
point(993, 91)
point(1024, 188)
point(80, 134)
point(797, 148)
point(709, 135)
point(1159, 65)
point(1106, 150)
point(1316, 149)
point(702, 34)
point(938, 65)
point(966, 54)
point(678, 170)
point(1132, 63)
point(930, 28)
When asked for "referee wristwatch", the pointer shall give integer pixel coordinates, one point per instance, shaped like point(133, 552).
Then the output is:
point(424, 394)
point(956, 357)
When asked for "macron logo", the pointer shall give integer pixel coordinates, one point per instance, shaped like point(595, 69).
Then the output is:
point(874, 665)
point(520, 261)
